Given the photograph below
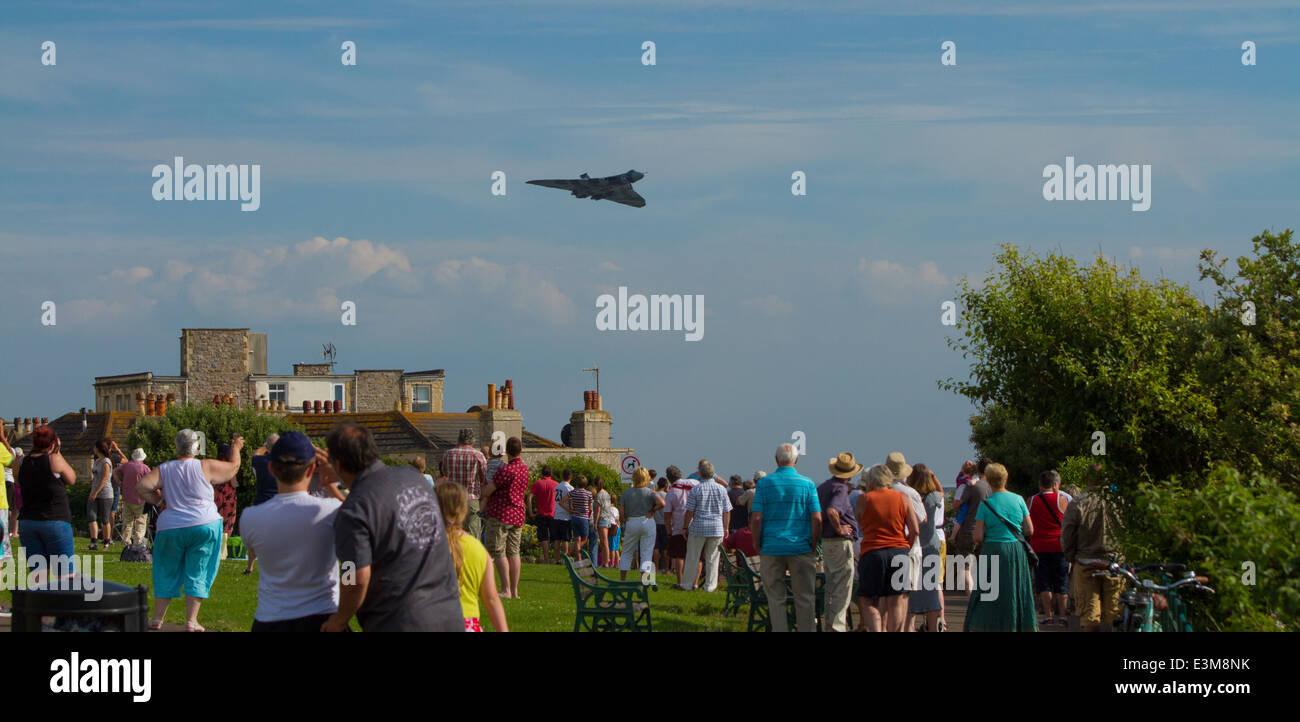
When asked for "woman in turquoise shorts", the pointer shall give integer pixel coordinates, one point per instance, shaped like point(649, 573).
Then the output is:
point(187, 545)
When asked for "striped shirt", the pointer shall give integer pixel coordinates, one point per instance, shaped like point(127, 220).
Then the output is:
point(466, 466)
point(707, 502)
point(580, 500)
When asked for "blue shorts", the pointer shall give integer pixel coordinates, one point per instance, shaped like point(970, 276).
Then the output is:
point(46, 539)
point(581, 528)
point(186, 558)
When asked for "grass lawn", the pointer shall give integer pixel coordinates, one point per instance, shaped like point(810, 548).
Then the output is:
point(546, 605)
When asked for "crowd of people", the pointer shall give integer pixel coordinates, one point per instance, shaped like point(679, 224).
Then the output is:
point(340, 536)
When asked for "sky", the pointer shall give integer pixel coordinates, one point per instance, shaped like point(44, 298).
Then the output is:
point(822, 311)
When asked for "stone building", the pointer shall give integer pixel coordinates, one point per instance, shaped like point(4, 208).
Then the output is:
point(403, 409)
point(218, 362)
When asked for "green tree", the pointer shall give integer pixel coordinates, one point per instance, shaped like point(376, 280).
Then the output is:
point(1023, 444)
point(1078, 349)
point(1254, 368)
point(157, 436)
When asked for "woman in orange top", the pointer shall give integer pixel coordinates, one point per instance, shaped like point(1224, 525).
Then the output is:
point(889, 526)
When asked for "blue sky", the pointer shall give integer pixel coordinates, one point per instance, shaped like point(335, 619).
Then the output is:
point(821, 311)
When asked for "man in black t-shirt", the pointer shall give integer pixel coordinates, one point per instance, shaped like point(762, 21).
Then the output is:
point(266, 488)
point(397, 573)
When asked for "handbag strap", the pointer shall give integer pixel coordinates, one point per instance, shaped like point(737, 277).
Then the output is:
point(1014, 531)
point(1051, 507)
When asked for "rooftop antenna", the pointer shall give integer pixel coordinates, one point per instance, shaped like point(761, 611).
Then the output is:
point(596, 369)
point(329, 352)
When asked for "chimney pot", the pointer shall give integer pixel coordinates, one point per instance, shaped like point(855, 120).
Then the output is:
point(306, 407)
point(318, 406)
point(492, 396)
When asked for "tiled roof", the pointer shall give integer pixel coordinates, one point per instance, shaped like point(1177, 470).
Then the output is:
point(74, 441)
point(392, 432)
point(442, 430)
point(533, 441)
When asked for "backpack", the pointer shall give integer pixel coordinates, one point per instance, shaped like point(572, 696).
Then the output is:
point(137, 554)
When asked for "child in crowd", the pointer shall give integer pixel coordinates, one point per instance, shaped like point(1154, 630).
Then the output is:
point(579, 503)
point(473, 566)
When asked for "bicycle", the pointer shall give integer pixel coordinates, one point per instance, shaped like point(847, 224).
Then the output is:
point(1149, 606)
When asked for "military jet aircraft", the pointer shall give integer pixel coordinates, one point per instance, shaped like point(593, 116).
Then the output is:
point(617, 188)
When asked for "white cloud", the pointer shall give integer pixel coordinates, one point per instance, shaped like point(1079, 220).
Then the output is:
point(529, 292)
point(889, 282)
point(770, 305)
point(309, 281)
point(132, 275)
point(87, 310)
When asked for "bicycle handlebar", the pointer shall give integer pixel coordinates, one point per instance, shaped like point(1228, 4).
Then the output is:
point(1196, 582)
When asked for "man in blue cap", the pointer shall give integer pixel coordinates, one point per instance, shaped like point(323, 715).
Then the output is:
point(293, 536)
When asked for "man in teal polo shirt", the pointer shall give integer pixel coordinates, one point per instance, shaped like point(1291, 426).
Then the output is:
point(786, 523)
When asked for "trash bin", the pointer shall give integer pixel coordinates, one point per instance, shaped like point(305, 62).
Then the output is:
point(119, 609)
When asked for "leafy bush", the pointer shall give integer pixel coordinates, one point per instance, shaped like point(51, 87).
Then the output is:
point(1222, 529)
point(581, 466)
point(529, 546)
point(1074, 471)
point(157, 436)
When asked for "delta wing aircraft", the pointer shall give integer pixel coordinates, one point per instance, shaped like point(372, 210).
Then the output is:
point(617, 188)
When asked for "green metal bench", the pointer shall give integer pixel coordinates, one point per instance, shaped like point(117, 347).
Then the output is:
point(738, 591)
point(759, 615)
point(602, 606)
point(602, 579)
point(750, 581)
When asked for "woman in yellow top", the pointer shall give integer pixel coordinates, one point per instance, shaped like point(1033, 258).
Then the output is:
point(473, 567)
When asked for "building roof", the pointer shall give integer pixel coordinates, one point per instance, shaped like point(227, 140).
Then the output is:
point(397, 431)
point(441, 429)
point(392, 432)
point(430, 372)
point(533, 441)
point(75, 442)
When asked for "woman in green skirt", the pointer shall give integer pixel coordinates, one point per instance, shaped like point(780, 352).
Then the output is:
point(1009, 607)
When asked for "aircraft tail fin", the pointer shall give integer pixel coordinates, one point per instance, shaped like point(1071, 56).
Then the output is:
point(584, 176)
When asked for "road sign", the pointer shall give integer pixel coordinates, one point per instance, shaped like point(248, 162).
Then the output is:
point(629, 464)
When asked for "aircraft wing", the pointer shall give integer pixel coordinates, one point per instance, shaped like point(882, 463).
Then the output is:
point(567, 185)
point(625, 195)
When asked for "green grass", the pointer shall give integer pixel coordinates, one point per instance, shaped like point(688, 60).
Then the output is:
point(546, 603)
